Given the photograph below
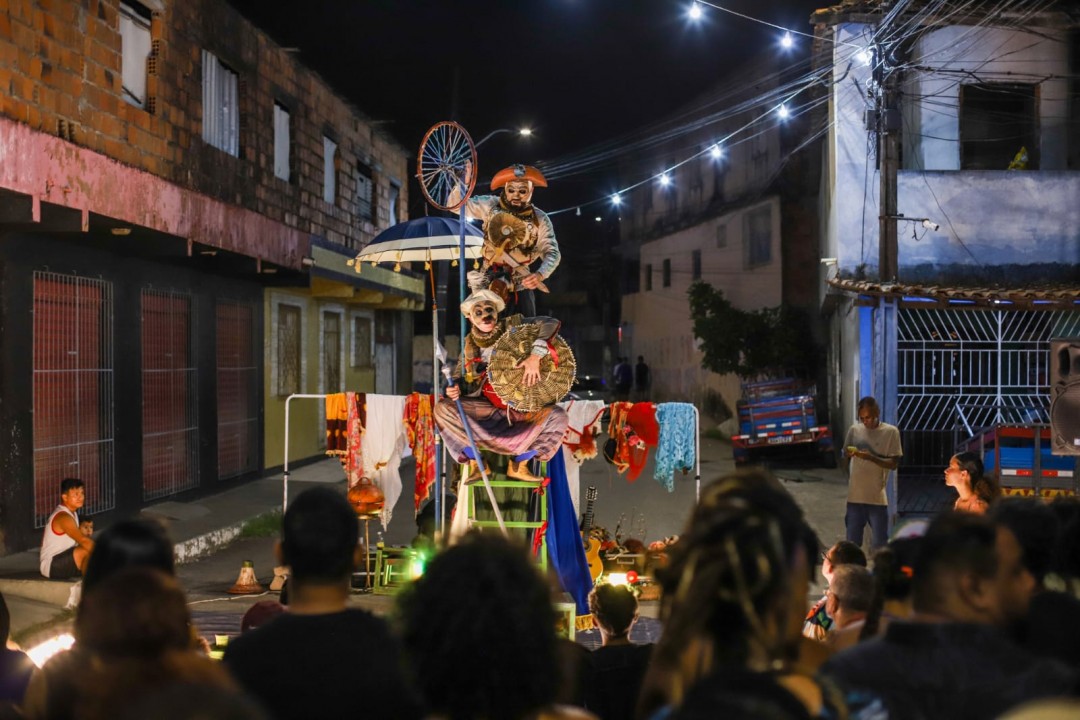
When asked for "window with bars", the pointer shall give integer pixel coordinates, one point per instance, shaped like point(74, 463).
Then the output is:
point(288, 349)
point(361, 342)
point(282, 142)
point(331, 345)
point(170, 394)
point(221, 105)
point(365, 186)
point(72, 393)
point(666, 272)
point(237, 389)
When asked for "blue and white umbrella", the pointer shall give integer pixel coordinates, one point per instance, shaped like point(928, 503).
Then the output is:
point(422, 240)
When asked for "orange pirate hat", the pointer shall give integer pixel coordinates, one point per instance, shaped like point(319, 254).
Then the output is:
point(518, 172)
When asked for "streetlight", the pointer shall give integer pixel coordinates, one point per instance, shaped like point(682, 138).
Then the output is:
point(522, 132)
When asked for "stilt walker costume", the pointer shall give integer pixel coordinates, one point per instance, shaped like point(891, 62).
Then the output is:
point(516, 235)
point(496, 425)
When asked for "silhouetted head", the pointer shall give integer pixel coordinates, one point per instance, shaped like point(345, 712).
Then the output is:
point(129, 543)
point(319, 536)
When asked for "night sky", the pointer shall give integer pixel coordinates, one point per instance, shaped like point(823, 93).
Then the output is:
point(576, 71)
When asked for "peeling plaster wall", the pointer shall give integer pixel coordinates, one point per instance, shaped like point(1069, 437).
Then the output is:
point(852, 212)
point(993, 218)
point(968, 55)
point(1020, 226)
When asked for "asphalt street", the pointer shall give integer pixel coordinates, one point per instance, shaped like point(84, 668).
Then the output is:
point(643, 509)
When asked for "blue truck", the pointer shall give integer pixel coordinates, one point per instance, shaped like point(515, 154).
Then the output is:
point(780, 417)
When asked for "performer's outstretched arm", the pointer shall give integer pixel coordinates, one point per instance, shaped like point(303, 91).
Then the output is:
point(547, 248)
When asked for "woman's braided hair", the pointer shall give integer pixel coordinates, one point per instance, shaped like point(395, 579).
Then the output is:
point(728, 577)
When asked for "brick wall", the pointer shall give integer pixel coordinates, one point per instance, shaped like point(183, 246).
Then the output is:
point(61, 73)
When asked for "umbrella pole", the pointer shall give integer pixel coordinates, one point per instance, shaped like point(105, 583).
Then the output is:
point(440, 486)
point(440, 483)
point(461, 274)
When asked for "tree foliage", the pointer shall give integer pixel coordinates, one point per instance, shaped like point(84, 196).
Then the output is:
point(771, 342)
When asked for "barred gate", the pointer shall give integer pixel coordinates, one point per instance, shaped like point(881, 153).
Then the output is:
point(961, 370)
point(72, 390)
point(170, 462)
point(237, 389)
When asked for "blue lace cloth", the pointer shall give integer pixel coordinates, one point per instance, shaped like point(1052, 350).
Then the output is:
point(678, 441)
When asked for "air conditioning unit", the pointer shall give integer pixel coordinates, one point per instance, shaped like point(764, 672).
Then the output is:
point(1065, 396)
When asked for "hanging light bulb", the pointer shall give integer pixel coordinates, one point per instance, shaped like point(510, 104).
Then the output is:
point(665, 179)
point(787, 41)
point(695, 11)
point(864, 56)
point(715, 151)
point(616, 200)
point(783, 112)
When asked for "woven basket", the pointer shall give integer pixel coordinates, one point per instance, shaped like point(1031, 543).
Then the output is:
point(506, 379)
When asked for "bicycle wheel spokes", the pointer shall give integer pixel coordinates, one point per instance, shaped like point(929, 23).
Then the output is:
point(446, 165)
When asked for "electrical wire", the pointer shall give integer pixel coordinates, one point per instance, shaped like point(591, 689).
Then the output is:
point(900, 26)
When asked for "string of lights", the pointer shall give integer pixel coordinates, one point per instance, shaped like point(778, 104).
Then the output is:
point(900, 25)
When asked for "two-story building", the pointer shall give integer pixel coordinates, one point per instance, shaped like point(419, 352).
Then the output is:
point(738, 212)
point(949, 210)
point(178, 197)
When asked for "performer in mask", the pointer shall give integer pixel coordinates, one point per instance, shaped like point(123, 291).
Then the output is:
point(517, 235)
point(496, 426)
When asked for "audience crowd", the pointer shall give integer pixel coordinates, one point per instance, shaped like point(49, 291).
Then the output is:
point(972, 614)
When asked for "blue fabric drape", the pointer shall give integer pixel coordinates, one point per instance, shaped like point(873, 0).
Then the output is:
point(678, 441)
point(565, 548)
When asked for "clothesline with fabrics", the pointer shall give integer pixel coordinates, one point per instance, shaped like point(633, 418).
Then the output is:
point(371, 432)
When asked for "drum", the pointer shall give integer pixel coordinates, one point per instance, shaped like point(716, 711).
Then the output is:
point(557, 370)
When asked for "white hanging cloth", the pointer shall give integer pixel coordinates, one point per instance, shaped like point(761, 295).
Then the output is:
point(383, 444)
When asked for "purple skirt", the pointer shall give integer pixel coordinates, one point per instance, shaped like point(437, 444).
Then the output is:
point(504, 432)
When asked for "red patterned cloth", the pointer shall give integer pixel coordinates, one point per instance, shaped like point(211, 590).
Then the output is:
point(420, 429)
point(353, 456)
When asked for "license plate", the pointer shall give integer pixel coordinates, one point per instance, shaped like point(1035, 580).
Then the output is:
point(780, 439)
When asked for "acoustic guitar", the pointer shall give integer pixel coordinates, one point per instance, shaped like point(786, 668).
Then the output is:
point(592, 545)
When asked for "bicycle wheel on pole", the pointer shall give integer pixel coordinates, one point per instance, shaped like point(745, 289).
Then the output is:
point(446, 165)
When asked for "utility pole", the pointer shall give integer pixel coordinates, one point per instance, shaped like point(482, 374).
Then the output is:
point(888, 127)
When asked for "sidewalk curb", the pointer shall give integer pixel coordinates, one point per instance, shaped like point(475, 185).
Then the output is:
point(208, 543)
point(50, 592)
